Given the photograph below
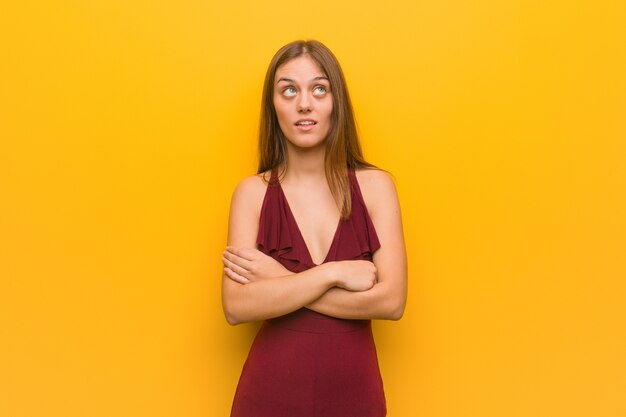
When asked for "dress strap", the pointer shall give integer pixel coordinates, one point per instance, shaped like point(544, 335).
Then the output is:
point(360, 220)
point(354, 185)
point(273, 177)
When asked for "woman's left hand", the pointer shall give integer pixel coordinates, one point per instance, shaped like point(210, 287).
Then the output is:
point(247, 264)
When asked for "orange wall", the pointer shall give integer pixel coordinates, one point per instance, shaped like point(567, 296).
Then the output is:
point(124, 127)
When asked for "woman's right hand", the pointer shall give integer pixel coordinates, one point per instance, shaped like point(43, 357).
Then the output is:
point(244, 265)
point(356, 275)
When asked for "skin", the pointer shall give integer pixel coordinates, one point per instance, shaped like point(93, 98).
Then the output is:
point(257, 287)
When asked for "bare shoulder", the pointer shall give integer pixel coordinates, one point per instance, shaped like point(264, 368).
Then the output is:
point(245, 210)
point(375, 178)
point(251, 184)
point(250, 191)
point(377, 186)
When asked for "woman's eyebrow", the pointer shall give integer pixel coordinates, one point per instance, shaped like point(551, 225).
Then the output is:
point(289, 80)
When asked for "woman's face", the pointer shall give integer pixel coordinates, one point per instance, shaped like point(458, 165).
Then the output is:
point(303, 102)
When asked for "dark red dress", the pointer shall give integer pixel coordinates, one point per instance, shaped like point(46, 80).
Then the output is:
point(307, 364)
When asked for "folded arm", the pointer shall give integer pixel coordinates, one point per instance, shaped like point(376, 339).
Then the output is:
point(254, 289)
point(387, 298)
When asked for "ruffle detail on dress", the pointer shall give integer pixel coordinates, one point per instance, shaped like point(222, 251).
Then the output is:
point(358, 238)
point(276, 235)
point(280, 238)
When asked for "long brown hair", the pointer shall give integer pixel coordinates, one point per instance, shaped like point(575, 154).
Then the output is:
point(342, 143)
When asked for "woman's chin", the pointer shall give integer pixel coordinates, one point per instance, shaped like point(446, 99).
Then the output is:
point(306, 143)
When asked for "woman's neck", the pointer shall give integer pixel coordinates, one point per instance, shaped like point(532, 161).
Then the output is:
point(305, 164)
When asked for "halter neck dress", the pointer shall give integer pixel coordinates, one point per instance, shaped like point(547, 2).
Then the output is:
point(307, 364)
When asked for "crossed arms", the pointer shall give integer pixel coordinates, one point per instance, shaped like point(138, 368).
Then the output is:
point(257, 287)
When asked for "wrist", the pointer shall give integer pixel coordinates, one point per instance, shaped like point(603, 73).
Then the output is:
point(333, 274)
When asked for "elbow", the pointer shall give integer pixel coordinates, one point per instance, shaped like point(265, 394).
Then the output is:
point(232, 319)
point(232, 316)
point(396, 314)
point(234, 309)
point(395, 310)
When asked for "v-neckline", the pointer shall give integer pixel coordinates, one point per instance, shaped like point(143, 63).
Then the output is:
point(306, 246)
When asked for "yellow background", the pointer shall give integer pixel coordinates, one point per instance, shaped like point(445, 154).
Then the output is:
point(125, 125)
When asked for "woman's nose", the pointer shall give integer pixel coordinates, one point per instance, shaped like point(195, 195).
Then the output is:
point(304, 103)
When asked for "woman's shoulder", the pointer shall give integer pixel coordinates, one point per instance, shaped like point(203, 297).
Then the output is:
point(254, 181)
point(377, 185)
point(374, 179)
point(251, 190)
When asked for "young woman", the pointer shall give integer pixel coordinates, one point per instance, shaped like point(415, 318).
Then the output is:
point(315, 250)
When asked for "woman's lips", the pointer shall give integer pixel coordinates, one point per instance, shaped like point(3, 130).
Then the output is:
point(305, 125)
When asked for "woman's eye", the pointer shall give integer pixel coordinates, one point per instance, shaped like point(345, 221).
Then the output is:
point(289, 92)
point(319, 90)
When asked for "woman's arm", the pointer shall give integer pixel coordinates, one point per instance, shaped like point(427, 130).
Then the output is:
point(260, 299)
point(387, 299)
